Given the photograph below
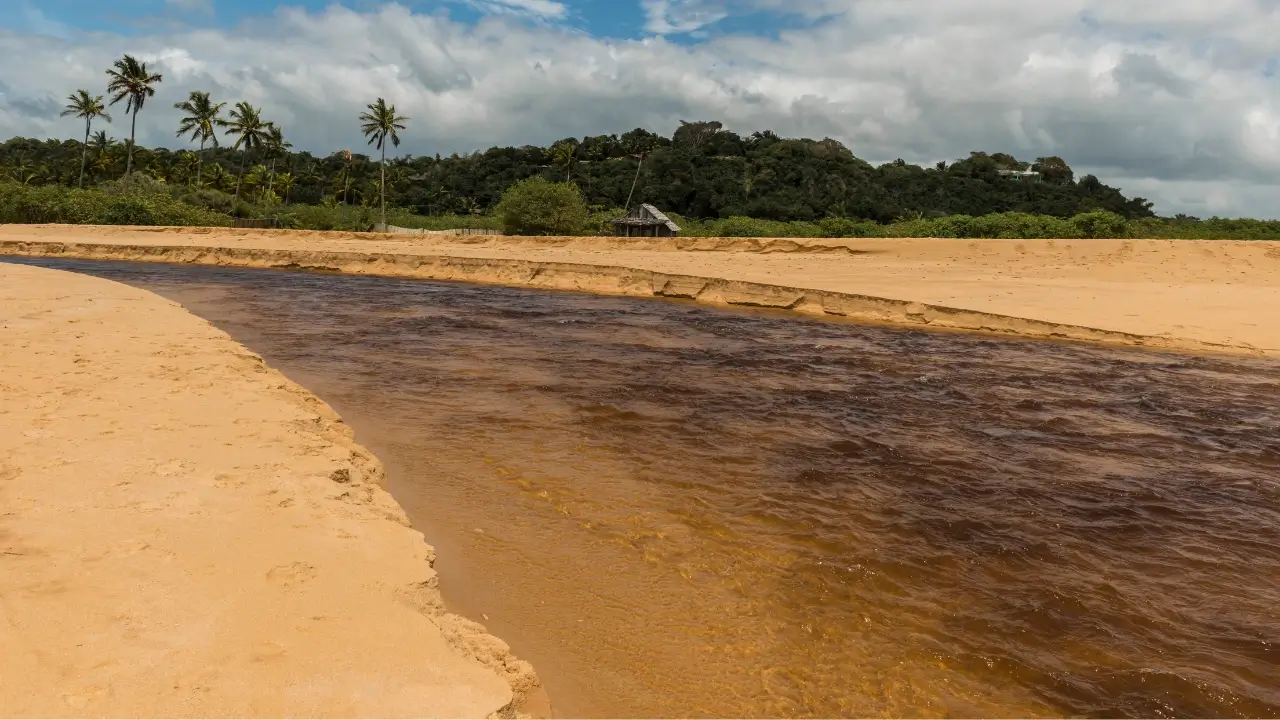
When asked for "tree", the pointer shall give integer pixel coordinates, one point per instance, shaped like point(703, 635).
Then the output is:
point(276, 148)
point(696, 135)
point(201, 122)
point(562, 154)
point(189, 163)
point(1053, 169)
point(346, 182)
point(86, 106)
point(380, 123)
point(284, 185)
point(251, 134)
point(537, 206)
point(131, 81)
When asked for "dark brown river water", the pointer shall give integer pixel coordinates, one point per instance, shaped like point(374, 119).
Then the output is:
point(679, 511)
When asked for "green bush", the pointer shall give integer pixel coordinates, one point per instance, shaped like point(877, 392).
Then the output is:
point(209, 199)
point(135, 184)
point(539, 207)
point(319, 217)
point(848, 228)
point(1101, 224)
point(129, 204)
point(600, 221)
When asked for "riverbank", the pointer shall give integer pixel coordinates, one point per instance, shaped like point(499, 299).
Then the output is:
point(185, 532)
point(1219, 296)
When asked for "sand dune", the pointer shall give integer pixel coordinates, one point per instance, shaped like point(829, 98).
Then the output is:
point(1195, 295)
point(185, 532)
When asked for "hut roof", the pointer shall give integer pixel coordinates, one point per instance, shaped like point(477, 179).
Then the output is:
point(646, 215)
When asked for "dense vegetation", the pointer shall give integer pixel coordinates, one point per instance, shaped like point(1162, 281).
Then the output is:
point(762, 176)
point(712, 181)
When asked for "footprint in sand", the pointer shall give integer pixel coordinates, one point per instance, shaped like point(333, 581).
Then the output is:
point(292, 575)
point(171, 468)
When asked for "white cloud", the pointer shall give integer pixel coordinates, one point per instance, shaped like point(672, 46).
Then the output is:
point(540, 9)
point(667, 17)
point(40, 24)
point(678, 17)
point(1166, 99)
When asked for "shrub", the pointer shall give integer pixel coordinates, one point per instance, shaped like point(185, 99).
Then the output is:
point(131, 204)
point(537, 206)
point(134, 184)
point(319, 217)
point(1100, 224)
point(209, 199)
point(848, 228)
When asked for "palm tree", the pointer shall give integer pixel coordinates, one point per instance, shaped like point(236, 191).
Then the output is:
point(380, 123)
point(22, 170)
point(201, 122)
point(562, 154)
point(217, 177)
point(103, 164)
point(345, 186)
point(251, 134)
point(101, 143)
point(346, 173)
point(256, 178)
point(131, 80)
point(276, 147)
point(189, 163)
point(84, 105)
point(284, 184)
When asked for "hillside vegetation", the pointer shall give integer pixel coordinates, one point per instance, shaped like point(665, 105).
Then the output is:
point(713, 181)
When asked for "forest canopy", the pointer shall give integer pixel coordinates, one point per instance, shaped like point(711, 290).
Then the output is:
point(702, 171)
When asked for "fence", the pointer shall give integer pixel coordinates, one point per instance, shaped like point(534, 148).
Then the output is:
point(379, 227)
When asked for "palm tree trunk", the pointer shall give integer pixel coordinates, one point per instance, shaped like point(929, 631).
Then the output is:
point(133, 132)
point(84, 153)
point(384, 181)
point(199, 164)
point(633, 183)
point(240, 176)
point(271, 181)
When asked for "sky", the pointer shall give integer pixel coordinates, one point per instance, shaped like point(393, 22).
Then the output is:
point(1177, 101)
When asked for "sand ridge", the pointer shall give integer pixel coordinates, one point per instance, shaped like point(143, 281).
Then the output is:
point(1176, 294)
point(185, 532)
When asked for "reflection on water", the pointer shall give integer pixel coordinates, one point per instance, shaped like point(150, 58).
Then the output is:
point(672, 510)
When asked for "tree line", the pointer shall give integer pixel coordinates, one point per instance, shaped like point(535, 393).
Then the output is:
point(701, 171)
point(130, 81)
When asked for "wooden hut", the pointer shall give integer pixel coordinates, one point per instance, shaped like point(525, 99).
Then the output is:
point(645, 221)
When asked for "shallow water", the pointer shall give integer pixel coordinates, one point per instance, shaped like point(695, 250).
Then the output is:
point(674, 510)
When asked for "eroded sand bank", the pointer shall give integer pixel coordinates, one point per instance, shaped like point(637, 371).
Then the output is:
point(185, 532)
point(1194, 295)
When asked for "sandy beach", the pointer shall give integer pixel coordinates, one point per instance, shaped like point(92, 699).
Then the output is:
point(185, 532)
point(1180, 294)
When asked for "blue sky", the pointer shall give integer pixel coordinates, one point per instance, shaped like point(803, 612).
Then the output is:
point(692, 20)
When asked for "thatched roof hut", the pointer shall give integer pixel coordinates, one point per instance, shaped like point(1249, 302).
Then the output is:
point(645, 221)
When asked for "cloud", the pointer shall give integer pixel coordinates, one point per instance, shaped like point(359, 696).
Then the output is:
point(40, 24)
point(666, 17)
point(1171, 100)
point(539, 9)
point(678, 17)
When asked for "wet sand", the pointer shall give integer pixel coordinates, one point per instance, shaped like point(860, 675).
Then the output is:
point(185, 532)
point(1195, 295)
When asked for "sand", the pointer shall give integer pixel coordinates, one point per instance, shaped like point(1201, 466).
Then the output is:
point(1194, 295)
point(185, 532)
